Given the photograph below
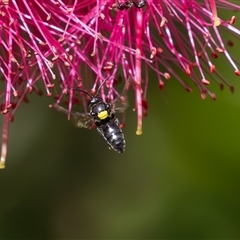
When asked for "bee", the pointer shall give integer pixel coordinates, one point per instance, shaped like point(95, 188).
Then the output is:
point(139, 3)
point(102, 115)
point(128, 4)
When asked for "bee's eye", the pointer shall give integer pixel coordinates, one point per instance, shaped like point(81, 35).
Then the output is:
point(94, 114)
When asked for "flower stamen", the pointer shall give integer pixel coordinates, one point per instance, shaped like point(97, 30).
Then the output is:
point(216, 20)
point(5, 128)
point(138, 69)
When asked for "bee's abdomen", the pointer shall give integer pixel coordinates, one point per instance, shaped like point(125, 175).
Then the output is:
point(114, 136)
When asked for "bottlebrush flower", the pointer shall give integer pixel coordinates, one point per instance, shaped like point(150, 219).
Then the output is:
point(67, 43)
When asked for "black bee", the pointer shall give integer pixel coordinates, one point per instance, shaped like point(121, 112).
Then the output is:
point(128, 4)
point(139, 3)
point(102, 114)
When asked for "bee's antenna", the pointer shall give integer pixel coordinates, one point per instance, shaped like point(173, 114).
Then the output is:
point(104, 81)
point(80, 90)
point(91, 96)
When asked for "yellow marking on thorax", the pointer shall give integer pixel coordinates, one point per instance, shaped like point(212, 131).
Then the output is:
point(103, 115)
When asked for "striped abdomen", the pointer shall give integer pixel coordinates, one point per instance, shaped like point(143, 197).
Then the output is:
point(113, 134)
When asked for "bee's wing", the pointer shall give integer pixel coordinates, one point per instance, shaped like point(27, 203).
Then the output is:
point(120, 104)
point(80, 120)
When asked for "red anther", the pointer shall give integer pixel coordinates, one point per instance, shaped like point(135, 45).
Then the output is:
point(199, 54)
point(205, 82)
point(163, 22)
point(123, 98)
point(11, 118)
point(232, 89)
point(232, 20)
point(20, 67)
point(67, 64)
point(230, 43)
point(161, 85)
point(122, 125)
point(188, 89)
point(9, 106)
point(56, 96)
point(237, 72)
point(5, 111)
point(92, 91)
point(213, 96)
point(219, 50)
point(221, 86)
point(153, 52)
point(2, 107)
point(203, 95)
point(108, 66)
point(39, 92)
point(49, 94)
point(188, 70)
point(55, 58)
point(25, 99)
point(50, 85)
point(117, 80)
point(214, 55)
point(144, 107)
point(61, 39)
point(167, 75)
point(28, 54)
point(30, 90)
point(65, 91)
point(75, 101)
point(14, 105)
point(212, 68)
point(15, 93)
point(79, 85)
point(107, 99)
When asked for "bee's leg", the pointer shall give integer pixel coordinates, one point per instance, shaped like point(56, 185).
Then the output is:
point(127, 86)
point(59, 108)
point(98, 123)
point(117, 121)
point(111, 115)
point(100, 131)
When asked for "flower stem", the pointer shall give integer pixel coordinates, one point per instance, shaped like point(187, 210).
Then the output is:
point(138, 68)
point(6, 122)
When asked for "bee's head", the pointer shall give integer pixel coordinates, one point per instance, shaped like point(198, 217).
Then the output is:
point(98, 108)
point(94, 101)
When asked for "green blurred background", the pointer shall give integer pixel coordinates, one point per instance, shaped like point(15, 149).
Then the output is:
point(180, 179)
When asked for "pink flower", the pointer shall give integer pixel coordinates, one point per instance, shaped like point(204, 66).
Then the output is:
point(67, 43)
